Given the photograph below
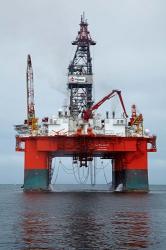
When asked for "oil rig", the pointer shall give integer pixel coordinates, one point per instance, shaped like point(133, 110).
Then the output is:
point(80, 133)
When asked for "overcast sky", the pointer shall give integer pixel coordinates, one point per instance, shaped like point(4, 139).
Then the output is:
point(130, 55)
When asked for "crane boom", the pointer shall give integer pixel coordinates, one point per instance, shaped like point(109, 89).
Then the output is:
point(87, 114)
point(30, 90)
point(32, 121)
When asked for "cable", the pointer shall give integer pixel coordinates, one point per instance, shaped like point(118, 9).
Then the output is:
point(80, 179)
point(67, 171)
point(75, 174)
point(56, 177)
point(83, 181)
point(75, 170)
point(105, 173)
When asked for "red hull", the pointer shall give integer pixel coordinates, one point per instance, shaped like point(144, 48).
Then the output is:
point(127, 153)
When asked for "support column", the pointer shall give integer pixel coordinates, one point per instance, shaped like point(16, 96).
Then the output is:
point(36, 168)
point(117, 172)
point(136, 169)
point(130, 170)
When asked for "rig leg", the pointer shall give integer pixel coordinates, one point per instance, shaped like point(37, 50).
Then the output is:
point(130, 170)
point(136, 172)
point(36, 169)
point(118, 177)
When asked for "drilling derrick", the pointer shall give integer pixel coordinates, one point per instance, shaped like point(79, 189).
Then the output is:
point(80, 75)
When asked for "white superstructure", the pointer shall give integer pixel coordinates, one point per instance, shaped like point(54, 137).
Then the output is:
point(63, 124)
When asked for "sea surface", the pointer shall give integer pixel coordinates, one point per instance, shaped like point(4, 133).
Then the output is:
point(82, 217)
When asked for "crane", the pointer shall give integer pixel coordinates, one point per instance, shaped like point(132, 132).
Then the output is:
point(136, 119)
point(87, 114)
point(31, 119)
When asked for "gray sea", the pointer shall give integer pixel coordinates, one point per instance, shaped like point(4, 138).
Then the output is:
point(82, 217)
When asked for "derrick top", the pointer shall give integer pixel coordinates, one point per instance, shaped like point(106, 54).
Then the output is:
point(83, 38)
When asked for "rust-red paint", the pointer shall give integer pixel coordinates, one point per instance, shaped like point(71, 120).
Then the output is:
point(127, 152)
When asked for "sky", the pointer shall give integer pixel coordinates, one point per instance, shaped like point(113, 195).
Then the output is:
point(130, 55)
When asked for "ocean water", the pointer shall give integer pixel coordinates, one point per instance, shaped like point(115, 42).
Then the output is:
point(82, 217)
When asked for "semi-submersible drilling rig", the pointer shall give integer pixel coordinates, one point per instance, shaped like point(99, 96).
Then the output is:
point(80, 133)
